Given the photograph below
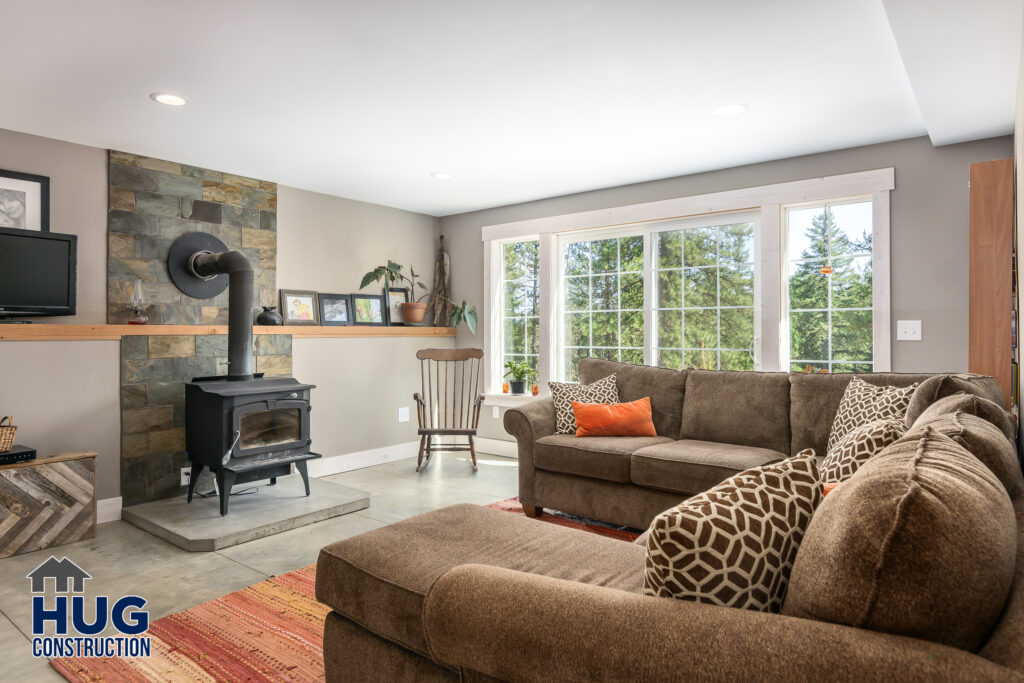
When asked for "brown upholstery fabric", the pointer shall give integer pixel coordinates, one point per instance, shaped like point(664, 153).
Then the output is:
point(352, 653)
point(972, 405)
point(604, 390)
point(520, 627)
point(690, 466)
point(983, 440)
point(598, 457)
point(814, 400)
point(1004, 645)
point(527, 423)
point(379, 579)
point(920, 542)
point(665, 387)
point(623, 504)
point(742, 408)
point(940, 386)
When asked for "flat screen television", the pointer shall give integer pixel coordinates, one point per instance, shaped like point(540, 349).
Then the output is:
point(37, 273)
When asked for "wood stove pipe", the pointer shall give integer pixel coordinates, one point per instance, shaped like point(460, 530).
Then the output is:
point(205, 264)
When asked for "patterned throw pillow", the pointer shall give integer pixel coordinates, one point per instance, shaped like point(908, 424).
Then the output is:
point(863, 403)
point(602, 391)
point(734, 545)
point(859, 444)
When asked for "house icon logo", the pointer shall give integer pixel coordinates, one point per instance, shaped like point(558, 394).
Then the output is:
point(63, 572)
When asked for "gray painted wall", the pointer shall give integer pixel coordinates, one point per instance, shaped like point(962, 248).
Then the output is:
point(929, 233)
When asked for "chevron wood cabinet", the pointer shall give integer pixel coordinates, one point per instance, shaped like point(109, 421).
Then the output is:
point(47, 502)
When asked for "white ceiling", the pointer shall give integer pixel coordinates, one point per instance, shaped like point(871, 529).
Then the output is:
point(519, 100)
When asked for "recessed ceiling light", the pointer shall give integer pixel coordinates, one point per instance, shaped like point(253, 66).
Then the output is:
point(168, 99)
point(441, 175)
point(730, 110)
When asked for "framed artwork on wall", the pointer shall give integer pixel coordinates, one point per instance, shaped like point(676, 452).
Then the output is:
point(369, 309)
point(299, 307)
point(335, 309)
point(24, 201)
point(396, 296)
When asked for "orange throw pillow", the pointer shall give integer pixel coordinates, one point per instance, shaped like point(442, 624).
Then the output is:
point(827, 488)
point(614, 419)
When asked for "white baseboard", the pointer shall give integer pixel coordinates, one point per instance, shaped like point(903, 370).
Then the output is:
point(322, 467)
point(108, 510)
point(506, 449)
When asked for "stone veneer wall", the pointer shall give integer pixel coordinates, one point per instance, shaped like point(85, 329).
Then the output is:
point(153, 202)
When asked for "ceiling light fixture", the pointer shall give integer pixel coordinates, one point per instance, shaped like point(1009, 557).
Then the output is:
point(730, 110)
point(441, 175)
point(168, 99)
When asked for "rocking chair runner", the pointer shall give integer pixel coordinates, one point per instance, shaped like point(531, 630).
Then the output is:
point(450, 402)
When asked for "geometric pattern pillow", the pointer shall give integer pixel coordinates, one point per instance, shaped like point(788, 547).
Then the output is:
point(859, 444)
point(863, 403)
point(734, 544)
point(604, 390)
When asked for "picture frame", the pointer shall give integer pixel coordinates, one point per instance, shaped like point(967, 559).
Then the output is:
point(395, 297)
point(299, 307)
point(24, 201)
point(335, 309)
point(369, 309)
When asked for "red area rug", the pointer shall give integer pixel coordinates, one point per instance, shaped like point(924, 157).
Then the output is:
point(270, 631)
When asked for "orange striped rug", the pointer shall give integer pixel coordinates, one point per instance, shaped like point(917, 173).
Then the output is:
point(270, 631)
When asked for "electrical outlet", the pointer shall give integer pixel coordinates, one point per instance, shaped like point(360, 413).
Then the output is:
point(186, 472)
point(908, 330)
point(495, 412)
point(403, 414)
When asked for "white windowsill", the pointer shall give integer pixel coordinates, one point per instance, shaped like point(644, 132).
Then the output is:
point(509, 400)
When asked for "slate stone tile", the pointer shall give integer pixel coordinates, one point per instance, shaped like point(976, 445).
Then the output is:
point(120, 245)
point(165, 393)
point(139, 420)
point(259, 239)
point(134, 347)
point(132, 269)
point(134, 445)
point(201, 173)
point(121, 199)
point(198, 210)
point(144, 162)
point(221, 193)
point(268, 186)
point(230, 236)
point(246, 218)
point(268, 220)
point(178, 185)
point(120, 292)
point(273, 344)
point(152, 248)
point(240, 181)
point(268, 258)
point(121, 314)
point(134, 395)
point(178, 416)
point(154, 204)
point(187, 369)
point(274, 365)
point(133, 178)
point(212, 345)
point(214, 315)
point(172, 346)
point(135, 371)
point(167, 441)
point(258, 199)
point(131, 223)
point(173, 228)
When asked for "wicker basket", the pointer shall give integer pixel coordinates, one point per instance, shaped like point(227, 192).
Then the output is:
point(7, 432)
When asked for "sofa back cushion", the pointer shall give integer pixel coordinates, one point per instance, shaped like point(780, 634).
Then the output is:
point(920, 542)
point(742, 408)
point(940, 386)
point(664, 387)
point(814, 400)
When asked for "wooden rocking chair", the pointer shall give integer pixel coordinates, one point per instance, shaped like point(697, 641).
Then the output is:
point(450, 402)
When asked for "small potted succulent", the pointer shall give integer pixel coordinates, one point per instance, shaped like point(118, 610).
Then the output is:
point(412, 311)
point(517, 372)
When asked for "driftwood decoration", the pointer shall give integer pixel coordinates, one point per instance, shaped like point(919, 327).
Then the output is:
point(442, 287)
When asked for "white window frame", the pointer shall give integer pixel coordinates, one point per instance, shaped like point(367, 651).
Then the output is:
point(771, 342)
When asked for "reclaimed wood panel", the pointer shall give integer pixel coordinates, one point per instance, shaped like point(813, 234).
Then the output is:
point(58, 332)
point(991, 272)
point(47, 502)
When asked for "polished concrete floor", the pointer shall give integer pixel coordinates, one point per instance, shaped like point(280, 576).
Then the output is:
point(125, 560)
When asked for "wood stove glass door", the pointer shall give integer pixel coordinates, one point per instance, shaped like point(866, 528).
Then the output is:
point(271, 426)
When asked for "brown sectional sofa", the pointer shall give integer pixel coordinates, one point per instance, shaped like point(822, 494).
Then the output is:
point(711, 425)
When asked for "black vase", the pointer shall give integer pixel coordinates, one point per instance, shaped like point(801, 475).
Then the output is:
point(269, 316)
point(518, 386)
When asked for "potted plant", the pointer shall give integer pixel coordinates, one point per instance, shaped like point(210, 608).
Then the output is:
point(412, 311)
point(517, 372)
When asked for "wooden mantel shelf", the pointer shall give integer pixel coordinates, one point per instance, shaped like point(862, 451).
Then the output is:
point(44, 332)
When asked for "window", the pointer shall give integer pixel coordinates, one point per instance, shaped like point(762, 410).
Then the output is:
point(521, 302)
point(705, 297)
point(829, 285)
point(603, 301)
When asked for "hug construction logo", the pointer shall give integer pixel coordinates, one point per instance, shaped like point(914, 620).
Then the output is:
point(77, 634)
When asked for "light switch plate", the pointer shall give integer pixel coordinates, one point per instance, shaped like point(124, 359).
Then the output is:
point(403, 414)
point(495, 412)
point(185, 473)
point(908, 330)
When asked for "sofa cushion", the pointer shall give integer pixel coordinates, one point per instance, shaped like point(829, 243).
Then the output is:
point(597, 457)
point(614, 419)
point(863, 403)
point(920, 542)
point(743, 408)
point(691, 466)
point(972, 405)
point(859, 444)
point(814, 400)
point(983, 440)
point(734, 545)
point(563, 394)
point(380, 579)
point(940, 386)
point(664, 387)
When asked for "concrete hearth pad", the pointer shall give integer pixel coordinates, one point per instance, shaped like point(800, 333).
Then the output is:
point(198, 526)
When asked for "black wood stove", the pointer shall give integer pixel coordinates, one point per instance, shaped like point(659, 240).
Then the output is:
point(245, 427)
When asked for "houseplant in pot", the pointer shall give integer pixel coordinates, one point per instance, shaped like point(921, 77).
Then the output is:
point(517, 372)
point(392, 273)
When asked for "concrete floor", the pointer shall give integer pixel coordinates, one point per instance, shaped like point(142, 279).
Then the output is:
point(125, 560)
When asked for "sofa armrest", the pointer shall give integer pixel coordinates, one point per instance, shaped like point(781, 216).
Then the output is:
point(524, 627)
point(527, 423)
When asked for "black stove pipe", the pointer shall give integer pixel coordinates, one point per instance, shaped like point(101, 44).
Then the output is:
point(240, 296)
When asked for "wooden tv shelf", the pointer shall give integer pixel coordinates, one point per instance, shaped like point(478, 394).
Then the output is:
point(45, 332)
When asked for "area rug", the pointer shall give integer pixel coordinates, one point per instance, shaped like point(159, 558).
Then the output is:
point(270, 631)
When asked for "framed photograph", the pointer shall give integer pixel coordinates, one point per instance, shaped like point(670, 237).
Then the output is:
point(396, 296)
point(24, 201)
point(369, 309)
point(335, 309)
point(299, 308)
